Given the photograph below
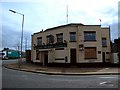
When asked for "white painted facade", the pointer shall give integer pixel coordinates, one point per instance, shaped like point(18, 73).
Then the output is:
point(58, 54)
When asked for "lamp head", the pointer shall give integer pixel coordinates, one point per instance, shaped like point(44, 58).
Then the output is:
point(12, 11)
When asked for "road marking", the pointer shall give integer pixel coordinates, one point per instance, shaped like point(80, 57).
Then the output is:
point(107, 83)
point(108, 77)
point(102, 83)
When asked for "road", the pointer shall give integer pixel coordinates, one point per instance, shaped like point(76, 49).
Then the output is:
point(20, 79)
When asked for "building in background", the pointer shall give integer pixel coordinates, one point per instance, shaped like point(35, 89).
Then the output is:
point(116, 51)
point(72, 44)
point(28, 55)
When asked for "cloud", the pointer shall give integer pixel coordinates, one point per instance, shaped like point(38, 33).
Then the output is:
point(50, 13)
point(43, 14)
point(11, 38)
point(119, 29)
point(114, 31)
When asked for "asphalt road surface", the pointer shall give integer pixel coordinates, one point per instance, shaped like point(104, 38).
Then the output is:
point(20, 79)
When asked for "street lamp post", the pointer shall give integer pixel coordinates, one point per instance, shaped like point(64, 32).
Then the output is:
point(21, 32)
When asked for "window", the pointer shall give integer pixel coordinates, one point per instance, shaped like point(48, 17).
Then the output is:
point(107, 53)
point(104, 42)
point(72, 36)
point(89, 36)
point(48, 39)
point(90, 53)
point(39, 41)
point(99, 52)
point(60, 38)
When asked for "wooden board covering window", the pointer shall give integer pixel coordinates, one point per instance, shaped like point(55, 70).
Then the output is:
point(90, 53)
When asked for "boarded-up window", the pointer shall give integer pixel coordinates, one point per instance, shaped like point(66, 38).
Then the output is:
point(90, 53)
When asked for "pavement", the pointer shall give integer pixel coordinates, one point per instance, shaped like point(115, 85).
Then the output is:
point(36, 68)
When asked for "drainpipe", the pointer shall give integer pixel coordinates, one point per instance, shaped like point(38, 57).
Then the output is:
point(43, 63)
point(43, 60)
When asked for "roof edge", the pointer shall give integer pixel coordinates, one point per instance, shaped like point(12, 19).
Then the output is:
point(71, 24)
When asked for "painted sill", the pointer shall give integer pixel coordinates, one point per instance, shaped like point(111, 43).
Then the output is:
point(72, 41)
point(59, 58)
point(59, 48)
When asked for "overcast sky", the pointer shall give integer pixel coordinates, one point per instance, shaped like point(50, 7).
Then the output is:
point(43, 14)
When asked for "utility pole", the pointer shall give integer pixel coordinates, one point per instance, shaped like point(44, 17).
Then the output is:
point(18, 57)
point(67, 14)
point(100, 22)
point(21, 31)
point(25, 43)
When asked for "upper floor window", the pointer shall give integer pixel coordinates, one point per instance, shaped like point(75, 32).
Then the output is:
point(89, 36)
point(39, 41)
point(104, 42)
point(72, 36)
point(60, 38)
point(48, 39)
